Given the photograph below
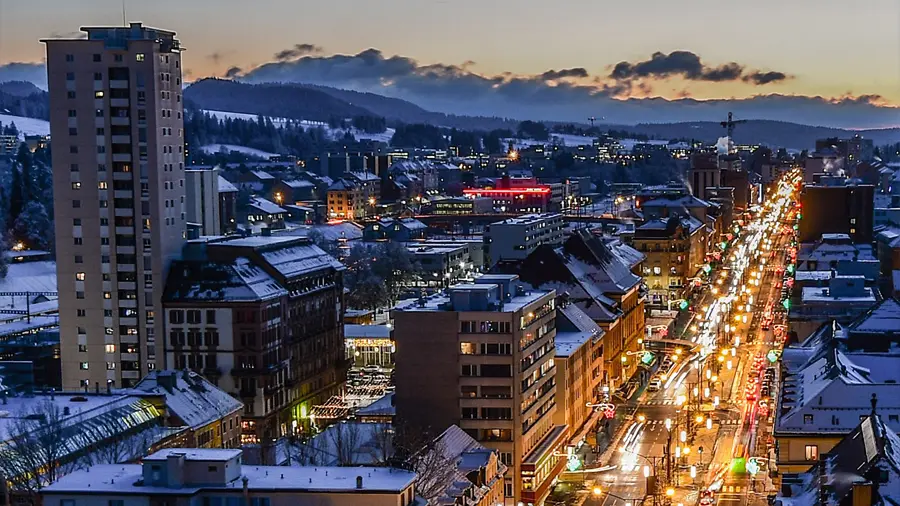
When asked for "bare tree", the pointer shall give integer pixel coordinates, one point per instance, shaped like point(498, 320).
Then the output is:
point(301, 450)
point(435, 469)
point(345, 440)
point(34, 453)
point(120, 448)
point(381, 445)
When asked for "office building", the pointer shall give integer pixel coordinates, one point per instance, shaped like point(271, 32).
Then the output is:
point(118, 187)
point(499, 382)
point(516, 238)
point(839, 209)
point(202, 203)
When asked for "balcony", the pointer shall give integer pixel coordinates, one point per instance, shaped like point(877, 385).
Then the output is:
point(130, 357)
point(120, 121)
point(118, 84)
point(121, 157)
point(121, 139)
point(131, 374)
point(124, 212)
point(125, 250)
point(118, 102)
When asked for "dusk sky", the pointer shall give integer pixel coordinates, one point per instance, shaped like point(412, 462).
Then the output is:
point(800, 47)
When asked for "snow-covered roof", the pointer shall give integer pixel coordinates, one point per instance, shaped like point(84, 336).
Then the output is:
point(823, 295)
point(459, 449)
point(341, 185)
point(827, 392)
point(266, 206)
point(686, 201)
point(384, 406)
point(591, 260)
point(568, 342)
point(28, 277)
point(883, 317)
point(262, 175)
point(626, 254)
point(238, 281)
point(812, 276)
point(300, 259)
point(367, 331)
point(297, 183)
point(364, 176)
point(225, 186)
point(115, 480)
point(189, 396)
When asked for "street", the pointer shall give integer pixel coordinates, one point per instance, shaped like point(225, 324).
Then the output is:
point(699, 432)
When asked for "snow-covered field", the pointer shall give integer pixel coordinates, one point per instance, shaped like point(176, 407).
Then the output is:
point(334, 133)
point(215, 148)
point(27, 126)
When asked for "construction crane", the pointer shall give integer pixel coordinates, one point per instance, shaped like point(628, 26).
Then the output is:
point(730, 124)
point(592, 119)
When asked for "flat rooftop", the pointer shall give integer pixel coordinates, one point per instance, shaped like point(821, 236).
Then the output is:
point(528, 219)
point(441, 301)
point(121, 479)
point(818, 294)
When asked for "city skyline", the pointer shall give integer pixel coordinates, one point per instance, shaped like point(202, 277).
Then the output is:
point(574, 55)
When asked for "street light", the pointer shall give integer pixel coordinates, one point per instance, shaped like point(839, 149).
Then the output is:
point(683, 436)
point(668, 424)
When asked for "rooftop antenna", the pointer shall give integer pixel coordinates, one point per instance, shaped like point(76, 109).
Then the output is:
point(124, 17)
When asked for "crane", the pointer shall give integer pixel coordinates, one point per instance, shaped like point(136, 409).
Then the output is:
point(592, 119)
point(730, 124)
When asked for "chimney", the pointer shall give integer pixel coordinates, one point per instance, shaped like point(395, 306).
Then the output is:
point(109, 387)
point(359, 482)
point(175, 470)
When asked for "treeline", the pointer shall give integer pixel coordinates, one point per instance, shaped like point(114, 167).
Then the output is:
point(469, 142)
point(290, 138)
point(35, 105)
point(26, 201)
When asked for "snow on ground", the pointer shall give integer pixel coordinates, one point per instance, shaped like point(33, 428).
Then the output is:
point(334, 133)
point(215, 148)
point(27, 126)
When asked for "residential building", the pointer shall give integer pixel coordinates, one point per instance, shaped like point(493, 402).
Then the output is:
point(441, 265)
point(257, 180)
point(292, 191)
point(600, 284)
point(843, 299)
point(399, 229)
point(196, 476)
point(479, 473)
point(516, 238)
point(704, 173)
point(264, 213)
point(846, 209)
point(228, 194)
point(346, 201)
point(676, 252)
point(516, 200)
point(501, 390)
point(202, 202)
point(118, 188)
point(860, 470)
point(261, 318)
point(579, 368)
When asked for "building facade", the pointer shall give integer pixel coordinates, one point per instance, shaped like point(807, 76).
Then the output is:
point(500, 388)
point(118, 186)
point(202, 203)
point(261, 318)
point(516, 238)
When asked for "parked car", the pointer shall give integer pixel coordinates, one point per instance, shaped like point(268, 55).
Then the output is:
point(654, 385)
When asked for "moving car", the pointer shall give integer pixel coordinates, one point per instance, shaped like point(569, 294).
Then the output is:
point(654, 385)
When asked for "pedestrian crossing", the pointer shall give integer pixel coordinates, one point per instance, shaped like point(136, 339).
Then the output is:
point(719, 422)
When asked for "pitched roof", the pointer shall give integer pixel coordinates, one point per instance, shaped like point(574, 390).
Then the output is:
point(213, 281)
point(883, 317)
point(225, 186)
point(297, 183)
point(266, 206)
point(189, 396)
point(591, 259)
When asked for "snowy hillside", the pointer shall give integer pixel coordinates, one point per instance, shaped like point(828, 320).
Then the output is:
point(333, 133)
point(27, 126)
point(215, 148)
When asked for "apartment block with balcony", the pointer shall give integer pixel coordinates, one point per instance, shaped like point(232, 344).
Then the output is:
point(118, 189)
point(261, 318)
point(486, 364)
point(516, 238)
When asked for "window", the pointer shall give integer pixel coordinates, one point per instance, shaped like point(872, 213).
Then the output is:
point(81, 313)
point(70, 94)
point(210, 316)
point(807, 419)
point(83, 366)
point(73, 131)
point(117, 57)
point(139, 57)
point(894, 418)
point(79, 276)
point(76, 222)
point(79, 295)
point(77, 241)
point(82, 348)
point(110, 366)
point(469, 391)
point(73, 150)
point(812, 452)
point(70, 58)
point(97, 57)
point(101, 185)
point(98, 94)
point(193, 316)
point(469, 413)
point(73, 113)
point(110, 348)
point(79, 259)
point(470, 370)
point(176, 316)
point(70, 76)
point(98, 76)
point(657, 271)
point(76, 186)
point(467, 348)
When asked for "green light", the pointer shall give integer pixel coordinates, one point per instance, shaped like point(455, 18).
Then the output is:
point(647, 357)
point(683, 305)
point(772, 356)
point(752, 466)
point(738, 465)
point(707, 268)
point(574, 463)
point(790, 268)
point(786, 303)
point(723, 244)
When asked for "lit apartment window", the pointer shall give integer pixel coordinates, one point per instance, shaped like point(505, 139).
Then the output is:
point(107, 295)
point(139, 57)
point(98, 94)
point(812, 452)
point(76, 186)
point(110, 348)
point(110, 366)
point(83, 366)
point(82, 348)
point(101, 185)
point(79, 276)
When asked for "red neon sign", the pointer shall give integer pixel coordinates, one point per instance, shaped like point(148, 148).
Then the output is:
point(511, 190)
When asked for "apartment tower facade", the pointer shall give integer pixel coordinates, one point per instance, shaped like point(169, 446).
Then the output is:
point(118, 185)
